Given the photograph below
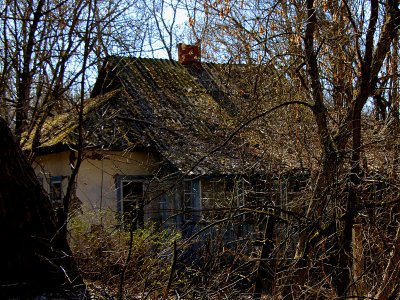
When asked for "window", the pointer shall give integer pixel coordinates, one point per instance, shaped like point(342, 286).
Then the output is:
point(191, 199)
point(294, 186)
point(217, 197)
point(130, 205)
point(56, 190)
point(163, 208)
point(241, 189)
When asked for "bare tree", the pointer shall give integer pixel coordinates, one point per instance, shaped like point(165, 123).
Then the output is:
point(43, 50)
point(338, 57)
point(49, 53)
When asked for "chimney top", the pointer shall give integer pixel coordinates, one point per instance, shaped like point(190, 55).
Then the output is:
point(188, 54)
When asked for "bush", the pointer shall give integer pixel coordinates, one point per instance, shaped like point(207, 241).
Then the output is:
point(101, 251)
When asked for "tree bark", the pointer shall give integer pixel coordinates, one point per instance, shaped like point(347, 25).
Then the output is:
point(24, 76)
point(33, 257)
point(264, 279)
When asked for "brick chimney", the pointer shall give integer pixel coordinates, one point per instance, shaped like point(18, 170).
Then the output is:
point(188, 54)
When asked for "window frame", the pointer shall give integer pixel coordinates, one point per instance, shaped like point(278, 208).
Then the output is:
point(119, 181)
point(52, 181)
point(191, 210)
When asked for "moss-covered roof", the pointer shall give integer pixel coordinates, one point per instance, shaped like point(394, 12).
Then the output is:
point(184, 112)
point(61, 129)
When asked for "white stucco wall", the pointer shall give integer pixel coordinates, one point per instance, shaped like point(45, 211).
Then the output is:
point(96, 178)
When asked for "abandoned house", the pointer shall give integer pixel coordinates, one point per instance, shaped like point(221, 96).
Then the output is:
point(165, 141)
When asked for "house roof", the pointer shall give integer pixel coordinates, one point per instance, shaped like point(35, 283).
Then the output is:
point(184, 112)
point(61, 129)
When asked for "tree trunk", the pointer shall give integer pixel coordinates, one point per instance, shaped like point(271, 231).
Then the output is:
point(264, 279)
point(33, 257)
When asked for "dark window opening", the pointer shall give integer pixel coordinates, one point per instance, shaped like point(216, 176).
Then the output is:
point(191, 199)
point(217, 198)
point(56, 191)
point(132, 203)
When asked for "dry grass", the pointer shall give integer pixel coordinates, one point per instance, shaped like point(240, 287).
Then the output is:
point(101, 251)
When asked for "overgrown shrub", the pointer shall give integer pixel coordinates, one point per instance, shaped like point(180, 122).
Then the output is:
point(205, 267)
point(101, 250)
